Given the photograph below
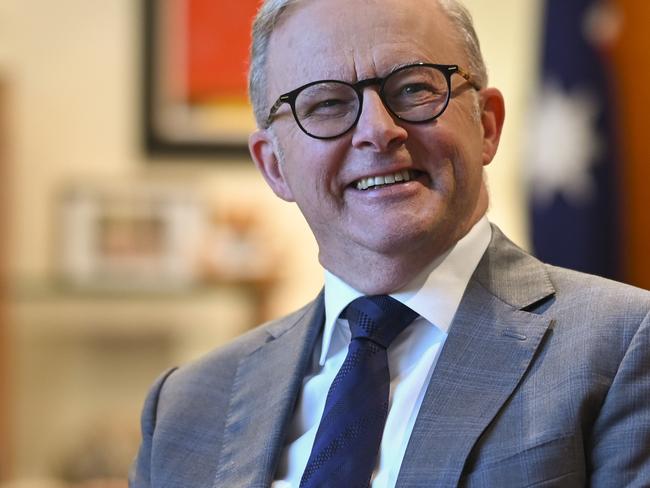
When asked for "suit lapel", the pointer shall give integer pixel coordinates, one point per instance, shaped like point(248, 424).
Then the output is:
point(265, 389)
point(491, 344)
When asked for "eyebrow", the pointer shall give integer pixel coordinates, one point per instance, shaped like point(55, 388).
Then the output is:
point(397, 66)
point(319, 88)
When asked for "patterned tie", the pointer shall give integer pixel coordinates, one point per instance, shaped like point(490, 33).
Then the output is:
point(345, 450)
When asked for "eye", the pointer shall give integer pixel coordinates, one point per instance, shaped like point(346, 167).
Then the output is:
point(332, 102)
point(415, 88)
point(420, 90)
point(329, 101)
point(325, 99)
point(414, 94)
point(330, 107)
point(416, 85)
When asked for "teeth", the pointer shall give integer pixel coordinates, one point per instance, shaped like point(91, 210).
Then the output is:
point(373, 181)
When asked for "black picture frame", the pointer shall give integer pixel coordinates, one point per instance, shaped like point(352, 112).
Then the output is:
point(183, 143)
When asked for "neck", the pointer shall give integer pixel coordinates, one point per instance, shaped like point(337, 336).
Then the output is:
point(375, 273)
point(379, 278)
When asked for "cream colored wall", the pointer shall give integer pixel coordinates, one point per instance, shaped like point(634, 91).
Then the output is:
point(74, 74)
point(509, 36)
point(73, 69)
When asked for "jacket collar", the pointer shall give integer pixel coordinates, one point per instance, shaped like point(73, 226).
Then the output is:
point(491, 344)
point(265, 388)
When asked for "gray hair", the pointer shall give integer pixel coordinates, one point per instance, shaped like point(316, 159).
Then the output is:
point(269, 16)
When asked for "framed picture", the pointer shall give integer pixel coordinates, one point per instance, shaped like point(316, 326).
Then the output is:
point(128, 237)
point(195, 66)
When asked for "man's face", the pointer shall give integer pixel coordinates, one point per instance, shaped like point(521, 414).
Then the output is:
point(412, 220)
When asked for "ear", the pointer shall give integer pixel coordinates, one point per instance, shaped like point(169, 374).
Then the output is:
point(265, 157)
point(493, 113)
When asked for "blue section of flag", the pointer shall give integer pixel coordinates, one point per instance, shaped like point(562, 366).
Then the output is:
point(580, 235)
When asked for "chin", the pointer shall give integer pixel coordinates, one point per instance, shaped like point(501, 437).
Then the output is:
point(401, 240)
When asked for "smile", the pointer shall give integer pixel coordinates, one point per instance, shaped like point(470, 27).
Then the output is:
point(378, 181)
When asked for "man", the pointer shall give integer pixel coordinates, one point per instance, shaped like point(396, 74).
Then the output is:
point(375, 117)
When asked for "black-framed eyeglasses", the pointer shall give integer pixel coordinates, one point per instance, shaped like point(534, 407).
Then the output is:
point(416, 93)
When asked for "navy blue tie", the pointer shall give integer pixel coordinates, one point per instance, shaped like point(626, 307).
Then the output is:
point(345, 450)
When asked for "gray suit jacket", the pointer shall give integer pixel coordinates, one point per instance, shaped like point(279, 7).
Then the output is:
point(544, 380)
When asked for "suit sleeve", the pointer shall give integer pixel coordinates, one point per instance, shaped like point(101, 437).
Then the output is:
point(620, 443)
point(140, 474)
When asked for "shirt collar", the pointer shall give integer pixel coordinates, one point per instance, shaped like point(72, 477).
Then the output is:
point(434, 294)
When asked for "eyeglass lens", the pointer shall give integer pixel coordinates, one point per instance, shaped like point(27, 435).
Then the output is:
point(414, 94)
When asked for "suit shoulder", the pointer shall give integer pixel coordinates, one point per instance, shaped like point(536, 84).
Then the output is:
point(523, 281)
point(597, 314)
point(577, 288)
point(215, 370)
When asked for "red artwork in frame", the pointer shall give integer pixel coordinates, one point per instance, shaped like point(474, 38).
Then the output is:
point(196, 58)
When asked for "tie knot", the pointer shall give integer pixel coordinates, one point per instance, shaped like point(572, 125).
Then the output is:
point(379, 318)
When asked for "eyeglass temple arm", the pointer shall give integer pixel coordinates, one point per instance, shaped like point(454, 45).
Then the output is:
point(278, 103)
point(468, 78)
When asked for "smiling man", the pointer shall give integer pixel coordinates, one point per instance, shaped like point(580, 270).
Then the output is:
point(439, 353)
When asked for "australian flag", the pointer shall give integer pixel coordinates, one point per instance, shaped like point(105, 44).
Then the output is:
point(571, 165)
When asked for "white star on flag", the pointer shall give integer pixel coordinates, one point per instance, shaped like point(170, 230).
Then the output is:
point(563, 146)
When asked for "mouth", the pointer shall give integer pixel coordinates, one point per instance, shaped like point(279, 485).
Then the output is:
point(373, 182)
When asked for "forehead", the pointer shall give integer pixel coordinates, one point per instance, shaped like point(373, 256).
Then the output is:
point(355, 39)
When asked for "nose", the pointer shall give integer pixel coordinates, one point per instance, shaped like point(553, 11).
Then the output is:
point(376, 128)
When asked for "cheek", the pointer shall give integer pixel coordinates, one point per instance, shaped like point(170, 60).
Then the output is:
point(311, 170)
point(452, 158)
point(462, 144)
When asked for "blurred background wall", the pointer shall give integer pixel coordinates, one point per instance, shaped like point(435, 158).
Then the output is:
point(121, 263)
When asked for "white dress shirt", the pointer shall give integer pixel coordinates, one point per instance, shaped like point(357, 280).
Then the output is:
point(435, 295)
